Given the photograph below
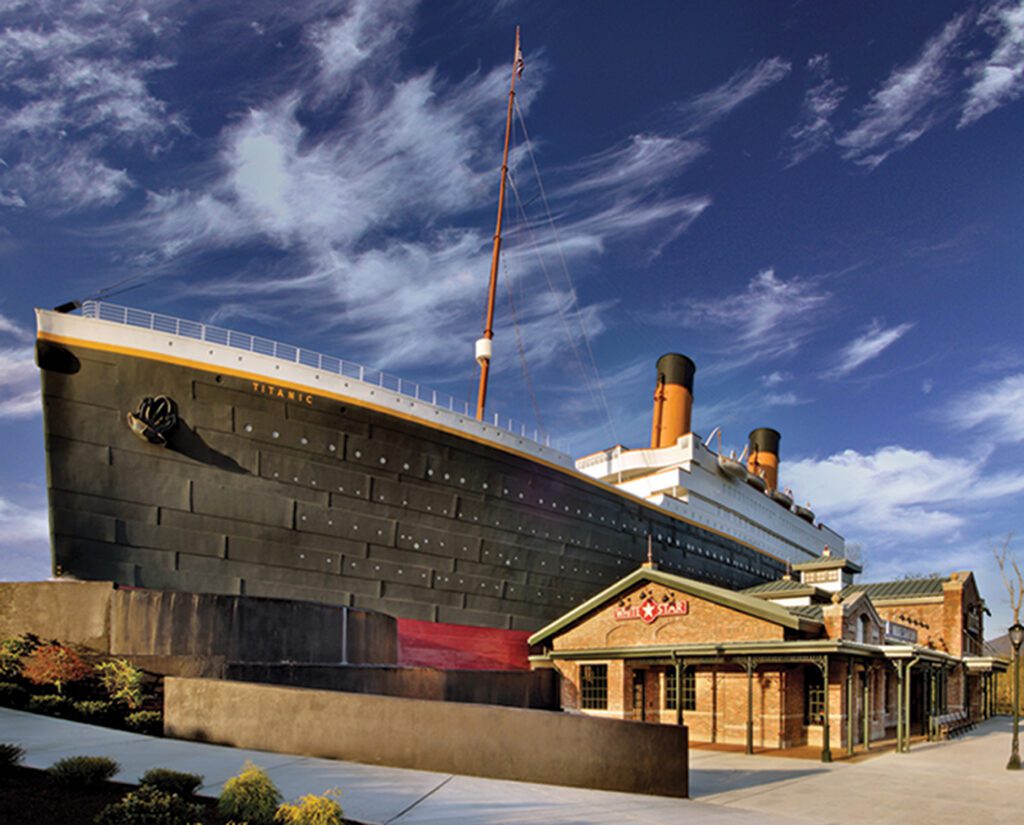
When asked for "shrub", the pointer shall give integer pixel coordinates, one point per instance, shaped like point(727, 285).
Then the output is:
point(12, 695)
point(145, 721)
point(96, 712)
point(12, 651)
point(55, 665)
point(82, 771)
point(122, 681)
point(150, 806)
point(249, 797)
point(50, 705)
point(10, 756)
point(176, 782)
point(311, 810)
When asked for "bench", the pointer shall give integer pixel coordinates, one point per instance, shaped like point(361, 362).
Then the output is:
point(948, 725)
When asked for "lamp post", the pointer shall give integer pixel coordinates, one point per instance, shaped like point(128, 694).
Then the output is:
point(1016, 637)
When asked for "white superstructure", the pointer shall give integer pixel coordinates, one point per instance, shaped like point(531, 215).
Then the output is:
point(685, 479)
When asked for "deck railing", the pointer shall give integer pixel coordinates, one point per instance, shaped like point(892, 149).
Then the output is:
point(299, 355)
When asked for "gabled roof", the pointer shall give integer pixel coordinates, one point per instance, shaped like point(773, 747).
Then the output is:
point(786, 588)
point(829, 563)
point(850, 604)
point(901, 589)
point(719, 595)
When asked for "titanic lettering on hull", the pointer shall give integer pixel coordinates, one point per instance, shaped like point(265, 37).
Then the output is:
point(649, 610)
point(283, 394)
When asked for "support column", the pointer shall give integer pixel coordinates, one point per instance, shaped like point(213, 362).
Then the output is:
point(906, 705)
point(750, 705)
point(899, 706)
point(930, 675)
point(826, 733)
point(679, 691)
point(849, 706)
point(866, 703)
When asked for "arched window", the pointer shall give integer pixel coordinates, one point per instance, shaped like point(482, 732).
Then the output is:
point(863, 629)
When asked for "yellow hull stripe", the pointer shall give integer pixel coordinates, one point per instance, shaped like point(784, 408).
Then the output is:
point(249, 376)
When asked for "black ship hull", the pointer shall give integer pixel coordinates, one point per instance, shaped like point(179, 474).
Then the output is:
point(267, 491)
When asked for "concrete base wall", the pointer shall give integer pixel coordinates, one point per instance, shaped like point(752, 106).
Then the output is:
point(75, 612)
point(478, 740)
point(166, 624)
point(520, 689)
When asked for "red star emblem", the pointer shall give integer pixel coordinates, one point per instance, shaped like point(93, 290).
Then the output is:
point(648, 611)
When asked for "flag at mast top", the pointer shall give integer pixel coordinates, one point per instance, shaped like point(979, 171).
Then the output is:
point(483, 345)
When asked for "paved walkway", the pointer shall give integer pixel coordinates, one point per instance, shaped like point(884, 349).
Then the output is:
point(955, 782)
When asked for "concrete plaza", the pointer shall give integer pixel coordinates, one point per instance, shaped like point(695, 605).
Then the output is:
point(948, 782)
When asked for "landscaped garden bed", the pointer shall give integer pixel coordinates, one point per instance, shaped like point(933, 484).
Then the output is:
point(77, 791)
point(73, 682)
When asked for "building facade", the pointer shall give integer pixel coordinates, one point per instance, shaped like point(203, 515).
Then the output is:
point(813, 660)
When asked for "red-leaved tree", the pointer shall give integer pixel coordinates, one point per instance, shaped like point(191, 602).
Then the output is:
point(55, 665)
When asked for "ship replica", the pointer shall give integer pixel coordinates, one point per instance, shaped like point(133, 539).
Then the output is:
point(184, 456)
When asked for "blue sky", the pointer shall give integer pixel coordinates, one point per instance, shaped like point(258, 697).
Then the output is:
point(820, 203)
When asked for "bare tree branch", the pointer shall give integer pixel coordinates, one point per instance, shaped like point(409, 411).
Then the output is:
point(1006, 561)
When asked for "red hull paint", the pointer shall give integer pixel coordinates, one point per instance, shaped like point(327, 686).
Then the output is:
point(461, 647)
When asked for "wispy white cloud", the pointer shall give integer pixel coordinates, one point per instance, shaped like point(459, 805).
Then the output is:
point(22, 524)
point(813, 130)
point(903, 107)
point(784, 399)
point(374, 216)
point(356, 39)
point(867, 346)
point(769, 318)
point(711, 106)
point(897, 492)
point(773, 379)
point(996, 408)
point(19, 378)
point(642, 163)
point(79, 71)
point(999, 78)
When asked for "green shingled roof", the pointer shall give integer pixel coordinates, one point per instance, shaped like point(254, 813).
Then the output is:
point(807, 611)
point(902, 589)
point(777, 586)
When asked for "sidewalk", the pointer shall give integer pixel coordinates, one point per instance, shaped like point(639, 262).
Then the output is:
point(941, 783)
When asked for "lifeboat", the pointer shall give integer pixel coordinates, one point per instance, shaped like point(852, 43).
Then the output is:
point(805, 513)
point(785, 499)
point(757, 482)
point(731, 467)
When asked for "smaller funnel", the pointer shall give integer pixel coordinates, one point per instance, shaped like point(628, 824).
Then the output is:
point(763, 459)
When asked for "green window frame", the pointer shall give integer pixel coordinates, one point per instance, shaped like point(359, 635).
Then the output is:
point(814, 697)
point(689, 689)
point(594, 687)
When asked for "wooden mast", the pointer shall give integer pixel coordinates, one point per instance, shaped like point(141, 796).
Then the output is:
point(483, 345)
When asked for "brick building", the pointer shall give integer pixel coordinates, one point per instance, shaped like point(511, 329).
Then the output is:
point(816, 660)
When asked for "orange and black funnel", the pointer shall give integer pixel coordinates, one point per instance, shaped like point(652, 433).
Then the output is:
point(673, 399)
point(763, 458)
